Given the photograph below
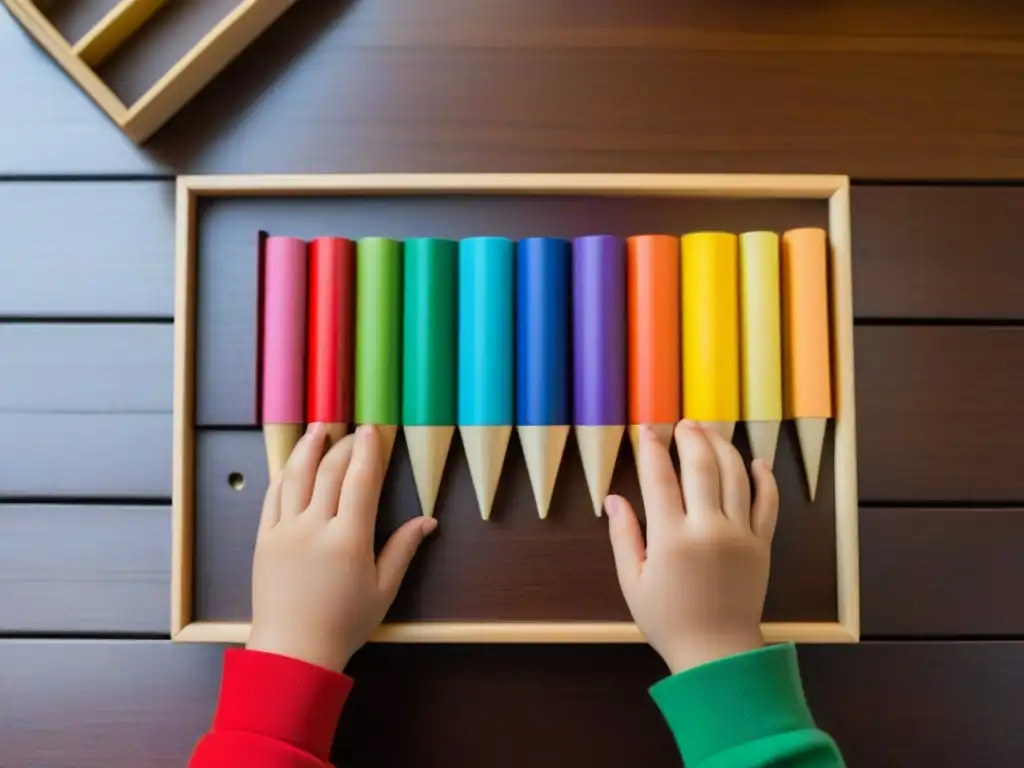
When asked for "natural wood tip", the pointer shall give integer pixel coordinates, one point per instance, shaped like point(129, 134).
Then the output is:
point(543, 447)
point(764, 440)
point(280, 441)
point(485, 448)
point(599, 452)
point(428, 454)
point(810, 435)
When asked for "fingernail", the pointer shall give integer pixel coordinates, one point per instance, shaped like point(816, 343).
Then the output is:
point(647, 433)
point(364, 431)
point(690, 424)
point(428, 526)
point(315, 429)
point(611, 506)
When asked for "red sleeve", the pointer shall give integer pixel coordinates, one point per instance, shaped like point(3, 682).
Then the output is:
point(274, 712)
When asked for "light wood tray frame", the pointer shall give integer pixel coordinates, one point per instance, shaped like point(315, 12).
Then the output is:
point(177, 86)
point(835, 189)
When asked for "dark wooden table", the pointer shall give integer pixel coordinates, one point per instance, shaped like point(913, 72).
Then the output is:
point(922, 103)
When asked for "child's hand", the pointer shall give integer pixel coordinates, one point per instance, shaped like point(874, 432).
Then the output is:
point(318, 594)
point(698, 590)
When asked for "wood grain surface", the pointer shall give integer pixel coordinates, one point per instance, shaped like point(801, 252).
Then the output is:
point(86, 456)
point(86, 249)
point(942, 572)
point(937, 252)
point(515, 567)
point(504, 706)
point(70, 368)
point(75, 569)
point(659, 85)
point(939, 413)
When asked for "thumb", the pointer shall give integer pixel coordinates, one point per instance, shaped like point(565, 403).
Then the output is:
point(394, 559)
point(627, 541)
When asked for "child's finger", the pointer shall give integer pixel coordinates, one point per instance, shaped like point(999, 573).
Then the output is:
point(627, 542)
point(360, 490)
point(300, 472)
point(327, 487)
point(735, 484)
point(698, 470)
point(659, 486)
point(765, 512)
point(271, 511)
point(398, 553)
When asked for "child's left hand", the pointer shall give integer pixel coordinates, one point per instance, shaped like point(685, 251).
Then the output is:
point(318, 592)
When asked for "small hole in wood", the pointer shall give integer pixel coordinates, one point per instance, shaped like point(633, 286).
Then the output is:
point(236, 480)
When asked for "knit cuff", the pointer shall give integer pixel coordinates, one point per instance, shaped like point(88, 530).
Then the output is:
point(281, 698)
point(733, 701)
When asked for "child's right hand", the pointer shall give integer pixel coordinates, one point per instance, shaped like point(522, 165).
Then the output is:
point(697, 590)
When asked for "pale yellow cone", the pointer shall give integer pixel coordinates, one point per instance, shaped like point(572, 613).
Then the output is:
point(764, 439)
point(428, 454)
point(485, 448)
point(543, 448)
point(811, 436)
point(599, 450)
point(280, 440)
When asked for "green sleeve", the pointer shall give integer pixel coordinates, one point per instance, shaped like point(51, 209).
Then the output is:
point(745, 711)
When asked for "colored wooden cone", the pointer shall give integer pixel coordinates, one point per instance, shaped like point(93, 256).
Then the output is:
point(428, 454)
point(599, 357)
point(807, 375)
point(429, 361)
point(378, 383)
point(599, 451)
point(764, 439)
point(543, 333)
point(710, 320)
point(760, 341)
point(486, 407)
point(664, 433)
point(280, 440)
point(811, 436)
point(653, 331)
point(284, 346)
point(485, 449)
point(330, 349)
point(543, 448)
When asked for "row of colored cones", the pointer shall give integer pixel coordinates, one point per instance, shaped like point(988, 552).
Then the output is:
point(543, 333)
point(543, 448)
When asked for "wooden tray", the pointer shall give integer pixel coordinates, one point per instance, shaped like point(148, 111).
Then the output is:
point(183, 81)
point(206, 542)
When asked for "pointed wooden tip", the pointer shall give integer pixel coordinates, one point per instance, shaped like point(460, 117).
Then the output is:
point(810, 434)
point(428, 454)
point(724, 428)
point(663, 432)
point(335, 432)
point(485, 454)
point(280, 441)
point(543, 448)
point(764, 439)
point(388, 434)
point(599, 451)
